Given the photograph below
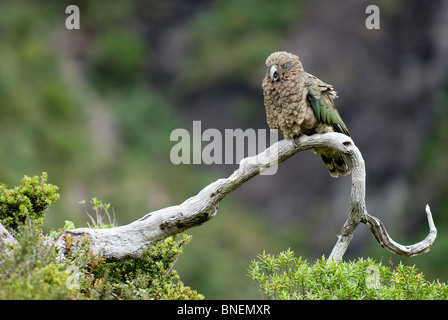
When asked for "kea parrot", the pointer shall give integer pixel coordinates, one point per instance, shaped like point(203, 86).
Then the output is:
point(298, 103)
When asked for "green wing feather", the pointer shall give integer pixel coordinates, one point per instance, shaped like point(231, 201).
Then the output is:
point(320, 96)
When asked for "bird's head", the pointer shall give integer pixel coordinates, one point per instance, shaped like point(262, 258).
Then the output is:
point(281, 65)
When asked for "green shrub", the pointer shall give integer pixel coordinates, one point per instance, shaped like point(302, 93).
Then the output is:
point(28, 200)
point(286, 277)
point(33, 268)
point(149, 276)
point(30, 270)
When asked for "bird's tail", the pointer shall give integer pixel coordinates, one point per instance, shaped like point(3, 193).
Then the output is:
point(336, 162)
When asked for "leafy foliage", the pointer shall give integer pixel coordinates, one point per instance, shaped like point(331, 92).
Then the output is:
point(34, 268)
point(28, 200)
point(29, 270)
point(149, 276)
point(286, 277)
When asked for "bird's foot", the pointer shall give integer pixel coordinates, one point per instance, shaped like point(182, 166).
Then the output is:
point(296, 138)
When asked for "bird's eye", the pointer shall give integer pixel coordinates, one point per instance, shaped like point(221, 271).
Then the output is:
point(273, 73)
point(287, 65)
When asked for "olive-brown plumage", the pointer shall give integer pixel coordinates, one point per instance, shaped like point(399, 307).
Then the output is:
point(299, 103)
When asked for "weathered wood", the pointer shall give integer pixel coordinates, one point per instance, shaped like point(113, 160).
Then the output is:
point(358, 214)
point(132, 239)
point(380, 233)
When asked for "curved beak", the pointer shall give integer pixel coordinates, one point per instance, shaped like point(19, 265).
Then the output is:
point(272, 72)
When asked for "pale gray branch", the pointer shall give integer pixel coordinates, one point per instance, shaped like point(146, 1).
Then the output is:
point(358, 213)
point(379, 232)
point(132, 239)
point(6, 240)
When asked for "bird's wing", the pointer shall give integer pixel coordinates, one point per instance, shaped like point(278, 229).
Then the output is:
point(320, 96)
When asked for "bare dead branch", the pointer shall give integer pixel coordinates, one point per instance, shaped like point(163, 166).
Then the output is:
point(358, 213)
point(132, 239)
point(380, 234)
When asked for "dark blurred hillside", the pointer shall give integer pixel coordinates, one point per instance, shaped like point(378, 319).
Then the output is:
point(389, 82)
point(95, 108)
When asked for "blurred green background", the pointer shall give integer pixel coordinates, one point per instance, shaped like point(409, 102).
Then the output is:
point(95, 108)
